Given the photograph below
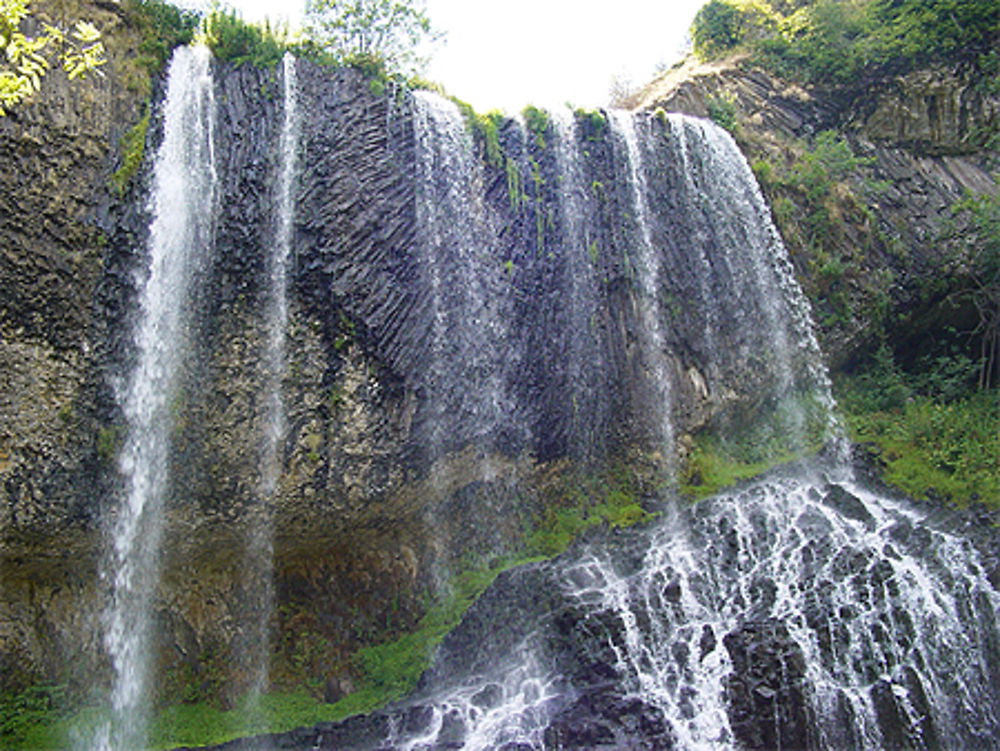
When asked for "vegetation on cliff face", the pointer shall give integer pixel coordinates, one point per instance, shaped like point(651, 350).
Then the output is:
point(26, 59)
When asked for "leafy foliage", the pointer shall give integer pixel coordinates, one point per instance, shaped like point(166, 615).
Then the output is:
point(132, 144)
point(722, 25)
point(976, 264)
point(25, 713)
point(233, 39)
point(27, 59)
point(722, 110)
point(387, 34)
point(847, 40)
point(163, 26)
point(950, 449)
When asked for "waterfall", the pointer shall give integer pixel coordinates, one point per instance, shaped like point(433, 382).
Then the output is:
point(716, 175)
point(791, 613)
point(864, 610)
point(458, 255)
point(181, 232)
point(649, 268)
point(801, 610)
point(587, 363)
point(260, 545)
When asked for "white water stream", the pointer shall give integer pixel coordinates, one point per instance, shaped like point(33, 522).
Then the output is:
point(182, 207)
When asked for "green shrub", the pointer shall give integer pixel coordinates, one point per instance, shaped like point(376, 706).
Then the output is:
point(29, 715)
point(845, 41)
point(951, 449)
point(163, 26)
point(132, 145)
point(537, 122)
point(232, 39)
point(722, 110)
point(717, 28)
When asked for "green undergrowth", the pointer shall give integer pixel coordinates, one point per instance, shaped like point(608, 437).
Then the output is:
point(197, 724)
point(929, 447)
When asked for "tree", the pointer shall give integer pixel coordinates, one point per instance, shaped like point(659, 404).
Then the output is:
point(79, 50)
point(977, 264)
point(386, 33)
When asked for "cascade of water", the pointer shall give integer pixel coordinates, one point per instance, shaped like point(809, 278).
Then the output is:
point(586, 361)
point(793, 613)
point(508, 710)
point(873, 617)
point(649, 268)
point(468, 324)
point(260, 548)
point(181, 230)
point(716, 174)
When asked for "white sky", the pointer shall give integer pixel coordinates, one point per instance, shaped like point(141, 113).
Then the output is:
point(505, 54)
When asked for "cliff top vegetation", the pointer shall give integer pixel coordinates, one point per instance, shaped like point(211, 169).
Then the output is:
point(844, 41)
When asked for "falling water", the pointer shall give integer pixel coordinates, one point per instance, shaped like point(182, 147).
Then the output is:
point(649, 268)
point(181, 231)
point(798, 611)
point(468, 323)
point(260, 549)
point(714, 168)
point(867, 612)
point(587, 364)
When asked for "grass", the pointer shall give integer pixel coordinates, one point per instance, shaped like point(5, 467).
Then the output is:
point(929, 447)
point(711, 467)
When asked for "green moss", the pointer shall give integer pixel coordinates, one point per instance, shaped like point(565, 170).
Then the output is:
point(513, 183)
point(537, 122)
point(711, 468)
point(741, 445)
point(132, 145)
point(593, 123)
point(107, 441)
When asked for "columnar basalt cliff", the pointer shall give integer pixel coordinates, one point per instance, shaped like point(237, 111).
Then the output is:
point(442, 362)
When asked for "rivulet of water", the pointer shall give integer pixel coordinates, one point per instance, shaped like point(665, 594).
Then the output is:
point(259, 552)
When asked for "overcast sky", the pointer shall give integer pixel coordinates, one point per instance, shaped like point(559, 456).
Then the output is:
point(504, 54)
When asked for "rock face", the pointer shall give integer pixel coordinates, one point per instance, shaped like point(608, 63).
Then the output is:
point(469, 323)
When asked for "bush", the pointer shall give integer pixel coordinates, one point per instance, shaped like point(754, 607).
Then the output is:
point(722, 110)
point(233, 39)
point(716, 28)
point(840, 41)
point(163, 26)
